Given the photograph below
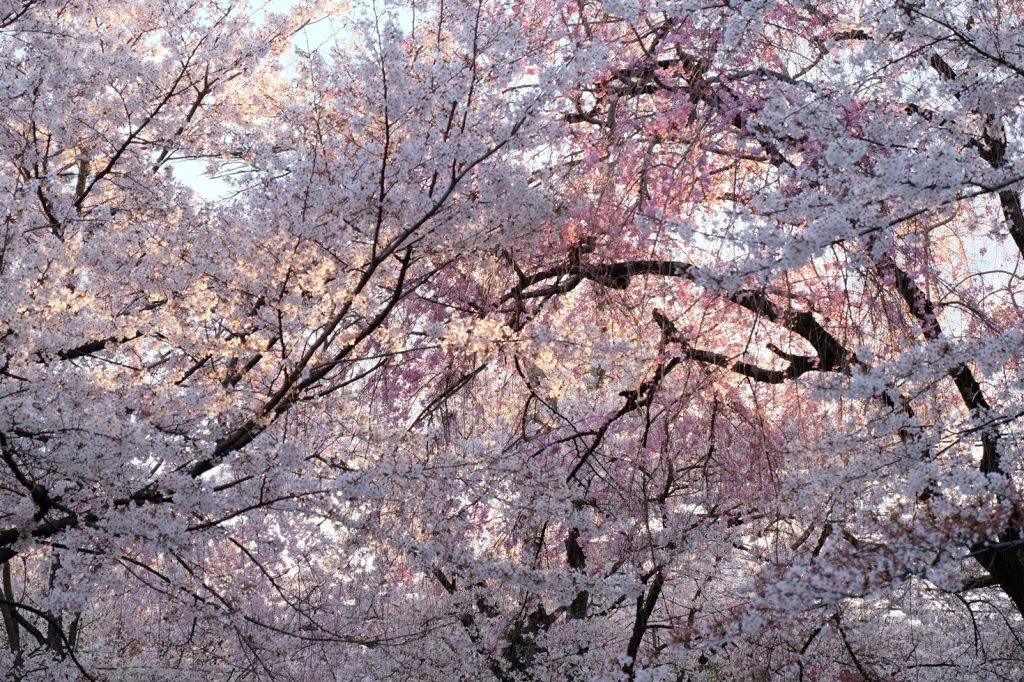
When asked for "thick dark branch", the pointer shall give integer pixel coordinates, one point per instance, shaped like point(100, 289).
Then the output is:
point(644, 608)
point(468, 622)
point(767, 376)
point(611, 275)
point(798, 364)
point(91, 347)
point(577, 561)
point(58, 632)
point(1004, 560)
point(17, 13)
point(992, 148)
point(45, 528)
point(10, 615)
point(832, 354)
point(923, 310)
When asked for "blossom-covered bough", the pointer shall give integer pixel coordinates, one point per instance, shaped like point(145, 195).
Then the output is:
point(481, 340)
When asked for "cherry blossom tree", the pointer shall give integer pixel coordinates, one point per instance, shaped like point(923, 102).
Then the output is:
point(488, 340)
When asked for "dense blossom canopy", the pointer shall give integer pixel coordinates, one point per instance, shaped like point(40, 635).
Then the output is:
point(493, 340)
